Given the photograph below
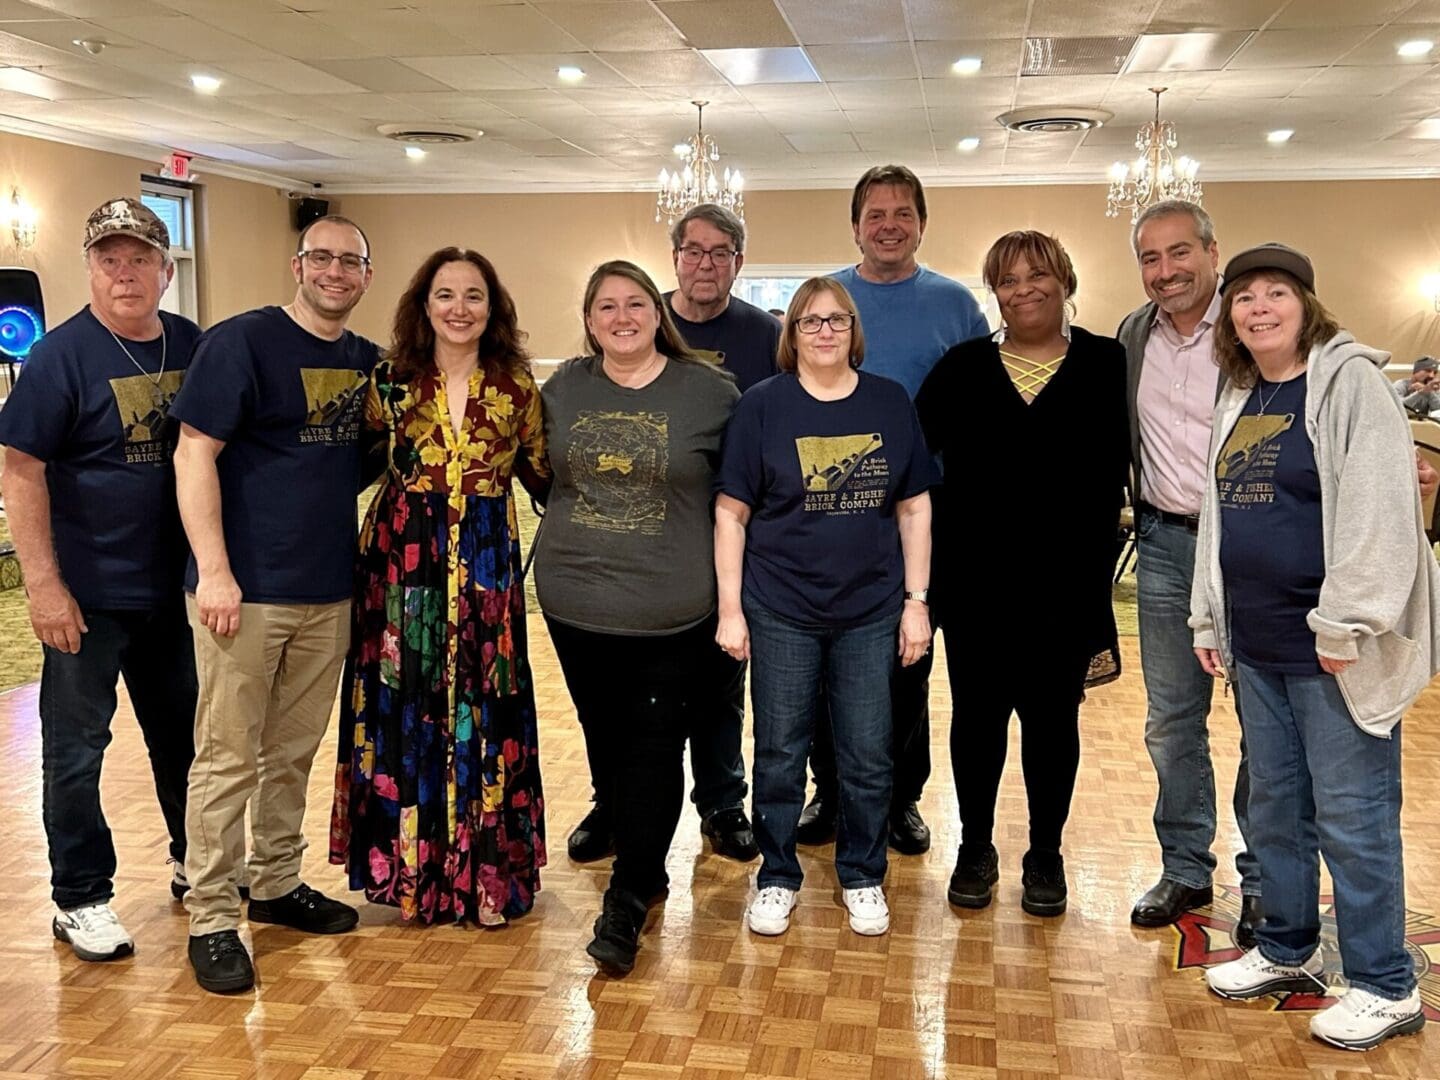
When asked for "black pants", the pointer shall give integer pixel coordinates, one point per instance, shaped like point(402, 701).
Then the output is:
point(1047, 700)
point(910, 735)
point(636, 698)
point(154, 652)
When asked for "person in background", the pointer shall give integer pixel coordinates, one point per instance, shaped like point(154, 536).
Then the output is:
point(1420, 393)
point(438, 803)
point(1034, 641)
point(822, 555)
point(90, 500)
point(1316, 592)
point(267, 470)
point(624, 572)
point(912, 315)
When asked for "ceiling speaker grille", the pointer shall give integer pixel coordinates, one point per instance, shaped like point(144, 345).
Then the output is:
point(1076, 55)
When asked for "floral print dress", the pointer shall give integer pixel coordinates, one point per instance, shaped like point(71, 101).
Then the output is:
point(438, 806)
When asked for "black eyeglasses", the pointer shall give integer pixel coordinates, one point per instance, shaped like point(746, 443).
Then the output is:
point(320, 259)
point(840, 322)
point(691, 256)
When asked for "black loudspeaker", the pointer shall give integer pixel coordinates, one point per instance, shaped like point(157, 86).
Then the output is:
point(306, 210)
point(22, 313)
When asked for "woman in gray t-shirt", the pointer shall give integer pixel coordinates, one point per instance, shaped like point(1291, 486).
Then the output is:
point(624, 572)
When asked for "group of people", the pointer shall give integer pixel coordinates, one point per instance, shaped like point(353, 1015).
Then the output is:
point(723, 490)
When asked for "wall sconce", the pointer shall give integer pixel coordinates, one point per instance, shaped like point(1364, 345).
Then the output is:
point(24, 221)
point(1430, 288)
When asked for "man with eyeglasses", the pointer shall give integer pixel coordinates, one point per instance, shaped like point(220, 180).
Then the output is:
point(267, 470)
point(708, 245)
point(911, 317)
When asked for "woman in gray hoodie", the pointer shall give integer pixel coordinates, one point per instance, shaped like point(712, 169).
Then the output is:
point(1315, 591)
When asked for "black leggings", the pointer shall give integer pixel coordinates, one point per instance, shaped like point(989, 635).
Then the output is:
point(1046, 697)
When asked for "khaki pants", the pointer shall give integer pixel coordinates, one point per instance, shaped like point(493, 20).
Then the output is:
point(264, 705)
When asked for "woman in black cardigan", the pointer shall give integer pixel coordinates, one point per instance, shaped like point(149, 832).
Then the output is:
point(1031, 428)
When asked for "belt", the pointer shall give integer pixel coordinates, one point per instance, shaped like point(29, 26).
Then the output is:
point(1185, 521)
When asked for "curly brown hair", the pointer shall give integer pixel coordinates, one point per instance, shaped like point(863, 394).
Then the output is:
point(412, 339)
point(1317, 326)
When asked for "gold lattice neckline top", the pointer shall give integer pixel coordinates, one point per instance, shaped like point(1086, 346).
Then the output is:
point(1029, 376)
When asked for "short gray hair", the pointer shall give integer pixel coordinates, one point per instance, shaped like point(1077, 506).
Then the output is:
point(1204, 226)
point(715, 215)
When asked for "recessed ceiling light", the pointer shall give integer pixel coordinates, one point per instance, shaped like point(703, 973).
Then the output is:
point(967, 144)
point(1280, 135)
point(206, 84)
point(414, 153)
point(1418, 47)
point(570, 73)
point(966, 65)
point(681, 149)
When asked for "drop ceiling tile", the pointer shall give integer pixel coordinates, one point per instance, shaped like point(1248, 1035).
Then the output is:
point(62, 33)
point(287, 76)
point(998, 57)
point(471, 72)
point(379, 74)
point(290, 34)
point(850, 63)
point(891, 93)
point(912, 120)
point(823, 143)
point(1380, 47)
point(1352, 82)
point(183, 36)
point(1184, 52)
point(1297, 48)
point(627, 26)
point(283, 151)
point(20, 81)
point(542, 68)
point(389, 33)
point(781, 96)
point(98, 81)
point(88, 9)
point(809, 121)
point(1062, 89)
point(745, 66)
point(506, 28)
point(939, 20)
point(834, 22)
point(23, 52)
point(672, 67)
point(1307, 13)
point(729, 24)
point(1079, 18)
point(1262, 83)
point(996, 92)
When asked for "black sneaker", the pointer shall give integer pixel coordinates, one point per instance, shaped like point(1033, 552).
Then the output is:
point(975, 876)
point(617, 932)
point(1044, 881)
point(594, 837)
point(909, 835)
point(221, 963)
point(180, 884)
point(306, 909)
point(730, 834)
point(817, 821)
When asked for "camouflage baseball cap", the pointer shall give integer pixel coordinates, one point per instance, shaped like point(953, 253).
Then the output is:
point(126, 217)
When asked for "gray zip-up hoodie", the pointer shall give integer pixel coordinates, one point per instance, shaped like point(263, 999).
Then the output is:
point(1378, 601)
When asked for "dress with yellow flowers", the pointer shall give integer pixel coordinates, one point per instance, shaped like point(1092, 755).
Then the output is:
point(438, 806)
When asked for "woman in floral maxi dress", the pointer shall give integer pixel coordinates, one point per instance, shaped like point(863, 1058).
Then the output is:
point(438, 807)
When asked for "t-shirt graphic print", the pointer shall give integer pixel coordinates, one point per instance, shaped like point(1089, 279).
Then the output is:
point(842, 474)
point(620, 462)
point(333, 401)
point(1245, 470)
point(143, 402)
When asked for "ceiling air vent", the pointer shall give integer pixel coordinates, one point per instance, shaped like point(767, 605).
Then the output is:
point(1050, 119)
point(1076, 55)
point(428, 134)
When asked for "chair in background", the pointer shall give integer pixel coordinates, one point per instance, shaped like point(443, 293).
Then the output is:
point(1426, 436)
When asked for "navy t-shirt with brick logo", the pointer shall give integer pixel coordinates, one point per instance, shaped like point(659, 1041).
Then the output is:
point(288, 406)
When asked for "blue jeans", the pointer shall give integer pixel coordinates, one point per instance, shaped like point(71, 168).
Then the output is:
point(154, 652)
point(1177, 692)
point(1320, 785)
point(788, 665)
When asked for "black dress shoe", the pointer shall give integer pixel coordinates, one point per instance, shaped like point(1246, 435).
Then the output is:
point(593, 838)
point(817, 821)
point(973, 881)
point(305, 909)
point(221, 963)
point(1046, 893)
point(909, 835)
point(730, 834)
point(1167, 901)
point(617, 932)
point(1251, 915)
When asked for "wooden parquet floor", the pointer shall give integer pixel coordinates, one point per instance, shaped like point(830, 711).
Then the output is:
point(985, 994)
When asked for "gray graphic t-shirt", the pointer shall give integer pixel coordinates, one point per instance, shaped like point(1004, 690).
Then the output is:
point(626, 546)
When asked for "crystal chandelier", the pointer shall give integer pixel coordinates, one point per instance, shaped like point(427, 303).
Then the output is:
point(1155, 174)
point(699, 181)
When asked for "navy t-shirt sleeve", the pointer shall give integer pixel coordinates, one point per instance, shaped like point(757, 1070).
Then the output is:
point(742, 472)
point(218, 395)
point(40, 413)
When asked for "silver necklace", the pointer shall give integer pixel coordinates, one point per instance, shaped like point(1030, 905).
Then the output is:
point(156, 394)
point(1263, 400)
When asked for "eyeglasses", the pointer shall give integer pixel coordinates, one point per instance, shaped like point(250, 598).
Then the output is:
point(691, 256)
point(320, 259)
point(840, 322)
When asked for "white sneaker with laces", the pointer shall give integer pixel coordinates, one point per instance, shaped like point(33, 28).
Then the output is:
point(769, 912)
point(1361, 1019)
point(1253, 976)
point(869, 914)
point(94, 932)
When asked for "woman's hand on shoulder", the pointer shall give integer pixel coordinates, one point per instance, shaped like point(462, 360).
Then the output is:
point(733, 635)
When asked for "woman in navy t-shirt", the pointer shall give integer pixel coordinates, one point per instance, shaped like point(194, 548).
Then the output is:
point(822, 555)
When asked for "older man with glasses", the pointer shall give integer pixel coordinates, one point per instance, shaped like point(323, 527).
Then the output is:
point(267, 471)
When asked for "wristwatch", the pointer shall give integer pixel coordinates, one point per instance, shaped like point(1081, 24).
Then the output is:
point(923, 595)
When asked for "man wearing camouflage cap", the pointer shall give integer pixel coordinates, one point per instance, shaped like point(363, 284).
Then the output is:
point(90, 495)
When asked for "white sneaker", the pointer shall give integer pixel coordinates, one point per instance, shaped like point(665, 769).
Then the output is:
point(770, 910)
point(1253, 976)
point(1360, 1019)
point(94, 932)
point(869, 914)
